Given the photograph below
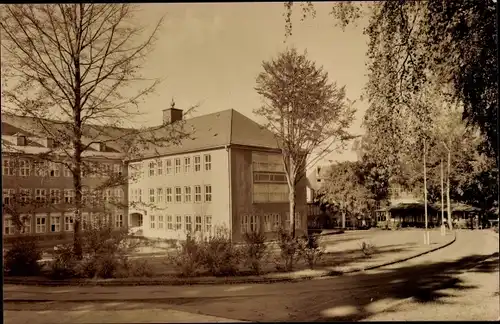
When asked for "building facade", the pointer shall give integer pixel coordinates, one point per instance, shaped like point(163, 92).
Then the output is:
point(40, 189)
point(229, 173)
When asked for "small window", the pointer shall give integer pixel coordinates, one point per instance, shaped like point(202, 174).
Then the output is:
point(197, 193)
point(188, 223)
point(55, 223)
point(159, 195)
point(178, 222)
point(187, 164)
point(169, 195)
point(208, 193)
point(159, 168)
point(168, 166)
point(151, 195)
point(178, 194)
point(68, 223)
point(197, 224)
point(187, 194)
point(208, 162)
point(55, 196)
point(161, 221)
point(177, 165)
point(208, 224)
point(119, 221)
point(152, 222)
point(170, 225)
point(152, 167)
point(8, 226)
point(197, 163)
point(41, 225)
point(8, 168)
point(24, 168)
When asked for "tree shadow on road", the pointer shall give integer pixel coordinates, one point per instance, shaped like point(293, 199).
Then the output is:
point(423, 283)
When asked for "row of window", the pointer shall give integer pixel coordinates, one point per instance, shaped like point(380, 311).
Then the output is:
point(54, 222)
point(267, 162)
point(175, 165)
point(179, 223)
point(25, 168)
point(270, 192)
point(271, 222)
point(57, 196)
point(175, 194)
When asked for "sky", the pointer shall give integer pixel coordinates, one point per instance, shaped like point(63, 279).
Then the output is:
point(210, 54)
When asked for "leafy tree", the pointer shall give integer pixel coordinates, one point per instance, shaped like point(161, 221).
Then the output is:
point(70, 67)
point(304, 110)
point(413, 42)
point(344, 187)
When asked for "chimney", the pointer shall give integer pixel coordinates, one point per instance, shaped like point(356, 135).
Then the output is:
point(172, 114)
point(21, 140)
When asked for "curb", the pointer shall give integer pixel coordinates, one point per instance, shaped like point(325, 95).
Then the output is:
point(26, 281)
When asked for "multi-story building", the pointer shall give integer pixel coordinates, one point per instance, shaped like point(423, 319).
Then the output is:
point(40, 189)
point(229, 172)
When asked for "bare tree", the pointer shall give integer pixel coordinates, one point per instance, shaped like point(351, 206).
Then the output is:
point(305, 111)
point(71, 67)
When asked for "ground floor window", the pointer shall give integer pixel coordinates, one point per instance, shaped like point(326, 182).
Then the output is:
point(178, 222)
point(188, 223)
point(152, 221)
point(272, 222)
point(26, 219)
point(8, 226)
point(55, 223)
point(170, 224)
point(208, 223)
point(119, 221)
point(250, 223)
point(41, 224)
point(197, 224)
point(68, 223)
point(160, 221)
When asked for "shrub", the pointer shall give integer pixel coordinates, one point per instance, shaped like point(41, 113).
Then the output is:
point(188, 258)
point(310, 250)
point(140, 268)
point(64, 262)
point(220, 256)
point(22, 258)
point(367, 249)
point(289, 250)
point(254, 250)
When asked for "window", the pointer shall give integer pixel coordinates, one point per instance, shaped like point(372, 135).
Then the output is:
point(8, 196)
point(8, 167)
point(118, 194)
point(169, 195)
point(208, 224)
point(8, 226)
point(68, 223)
point(208, 193)
point(170, 224)
point(55, 223)
point(119, 221)
point(40, 194)
point(24, 195)
point(151, 195)
point(249, 223)
point(26, 219)
point(24, 168)
point(265, 192)
point(159, 168)
point(40, 168)
point(152, 221)
point(152, 167)
point(117, 169)
point(160, 221)
point(177, 165)
point(54, 169)
point(85, 221)
point(178, 222)
point(208, 162)
point(139, 195)
point(178, 194)
point(298, 220)
point(159, 195)
point(197, 193)
point(197, 223)
point(41, 226)
point(271, 222)
point(187, 194)
point(168, 166)
point(188, 224)
point(55, 196)
point(197, 163)
point(69, 196)
point(187, 164)
point(267, 162)
point(67, 172)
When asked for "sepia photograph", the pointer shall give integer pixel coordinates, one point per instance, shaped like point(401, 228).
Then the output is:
point(250, 161)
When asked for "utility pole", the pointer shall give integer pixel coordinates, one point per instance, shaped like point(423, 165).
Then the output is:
point(426, 234)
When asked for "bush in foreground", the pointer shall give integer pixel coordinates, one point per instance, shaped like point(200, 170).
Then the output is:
point(22, 258)
point(188, 257)
point(310, 251)
point(254, 250)
point(220, 256)
point(289, 251)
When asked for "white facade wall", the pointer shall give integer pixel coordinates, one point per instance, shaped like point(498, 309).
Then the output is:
point(218, 209)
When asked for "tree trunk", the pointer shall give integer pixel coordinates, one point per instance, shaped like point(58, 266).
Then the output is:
point(292, 210)
point(442, 194)
point(448, 190)
point(425, 184)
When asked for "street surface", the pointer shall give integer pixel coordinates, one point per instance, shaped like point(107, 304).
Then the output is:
point(459, 282)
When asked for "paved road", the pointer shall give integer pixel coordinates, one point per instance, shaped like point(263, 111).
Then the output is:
point(428, 280)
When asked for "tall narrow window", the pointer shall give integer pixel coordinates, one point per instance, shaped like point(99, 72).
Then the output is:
point(178, 222)
point(208, 193)
point(187, 164)
point(178, 194)
point(55, 196)
point(197, 223)
point(208, 162)
point(161, 222)
point(41, 225)
point(177, 165)
point(119, 221)
point(8, 226)
point(197, 193)
point(197, 163)
point(187, 194)
point(152, 222)
point(151, 195)
point(68, 223)
point(168, 166)
point(169, 195)
point(159, 168)
point(24, 168)
point(8, 167)
point(54, 169)
point(170, 225)
point(159, 195)
point(40, 194)
point(55, 223)
point(188, 223)
point(208, 223)
point(152, 167)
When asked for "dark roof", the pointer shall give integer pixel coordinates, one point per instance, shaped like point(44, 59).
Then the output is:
point(227, 127)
